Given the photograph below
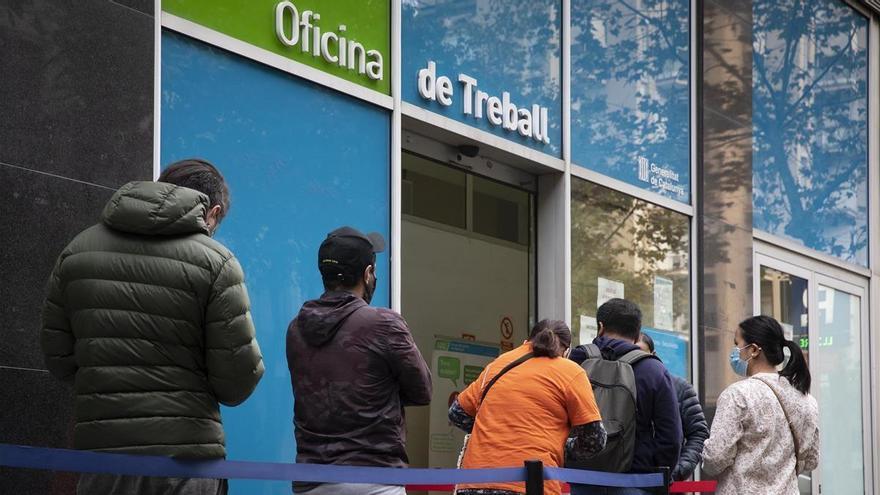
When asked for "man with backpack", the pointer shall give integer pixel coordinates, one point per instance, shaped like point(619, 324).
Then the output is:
point(640, 438)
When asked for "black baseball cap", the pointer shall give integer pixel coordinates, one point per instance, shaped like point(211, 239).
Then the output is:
point(346, 252)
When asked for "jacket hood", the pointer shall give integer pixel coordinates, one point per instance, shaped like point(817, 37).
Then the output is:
point(614, 348)
point(156, 208)
point(319, 320)
point(802, 411)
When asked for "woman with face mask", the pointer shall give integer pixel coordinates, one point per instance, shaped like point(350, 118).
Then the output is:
point(766, 428)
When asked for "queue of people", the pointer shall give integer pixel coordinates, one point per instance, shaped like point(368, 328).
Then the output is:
point(149, 318)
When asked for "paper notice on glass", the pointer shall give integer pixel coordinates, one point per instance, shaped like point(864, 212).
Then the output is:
point(608, 289)
point(663, 303)
point(787, 331)
point(589, 330)
point(454, 365)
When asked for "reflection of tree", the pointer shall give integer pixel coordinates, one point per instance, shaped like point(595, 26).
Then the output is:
point(515, 45)
point(618, 237)
point(630, 63)
point(810, 115)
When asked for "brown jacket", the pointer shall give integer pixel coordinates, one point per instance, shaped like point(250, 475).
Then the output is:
point(353, 367)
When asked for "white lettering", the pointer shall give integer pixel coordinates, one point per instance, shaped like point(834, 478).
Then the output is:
point(544, 123)
point(353, 49)
point(537, 131)
point(343, 51)
point(280, 9)
point(510, 118)
point(532, 123)
point(427, 77)
point(664, 172)
point(332, 47)
point(481, 99)
point(316, 37)
point(444, 91)
point(525, 123)
point(374, 66)
point(325, 47)
point(494, 110)
point(306, 25)
point(468, 102)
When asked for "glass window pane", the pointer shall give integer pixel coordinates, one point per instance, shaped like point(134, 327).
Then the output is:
point(501, 211)
point(810, 103)
point(433, 192)
point(837, 373)
point(785, 297)
point(504, 46)
point(622, 246)
point(630, 92)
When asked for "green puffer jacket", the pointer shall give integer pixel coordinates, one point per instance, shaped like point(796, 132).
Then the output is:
point(150, 318)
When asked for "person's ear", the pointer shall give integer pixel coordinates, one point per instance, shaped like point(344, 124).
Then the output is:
point(601, 331)
point(212, 217)
point(369, 272)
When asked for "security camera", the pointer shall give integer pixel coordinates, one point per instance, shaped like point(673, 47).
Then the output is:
point(469, 150)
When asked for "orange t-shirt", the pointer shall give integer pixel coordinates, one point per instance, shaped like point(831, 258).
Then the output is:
point(527, 414)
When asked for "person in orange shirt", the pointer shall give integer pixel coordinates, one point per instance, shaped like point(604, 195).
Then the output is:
point(540, 405)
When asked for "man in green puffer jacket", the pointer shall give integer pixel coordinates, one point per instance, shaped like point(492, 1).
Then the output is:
point(149, 318)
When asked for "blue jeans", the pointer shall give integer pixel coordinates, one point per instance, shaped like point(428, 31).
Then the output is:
point(607, 490)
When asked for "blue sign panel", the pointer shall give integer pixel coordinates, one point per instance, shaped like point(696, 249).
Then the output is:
point(672, 349)
point(300, 160)
point(630, 92)
point(495, 66)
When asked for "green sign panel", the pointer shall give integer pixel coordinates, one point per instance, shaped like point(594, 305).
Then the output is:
point(350, 39)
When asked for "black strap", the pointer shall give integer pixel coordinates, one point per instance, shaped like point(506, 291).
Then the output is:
point(507, 368)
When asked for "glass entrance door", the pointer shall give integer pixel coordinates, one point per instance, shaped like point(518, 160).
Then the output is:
point(837, 382)
point(467, 276)
point(826, 315)
point(783, 292)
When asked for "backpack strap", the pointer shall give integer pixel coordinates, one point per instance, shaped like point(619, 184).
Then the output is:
point(592, 351)
point(634, 356)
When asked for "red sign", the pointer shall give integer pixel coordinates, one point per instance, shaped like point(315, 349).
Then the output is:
point(506, 328)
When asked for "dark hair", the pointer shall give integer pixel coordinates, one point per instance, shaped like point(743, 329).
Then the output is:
point(620, 317)
point(766, 333)
point(335, 280)
point(202, 176)
point(649, 342)
point(548, 336)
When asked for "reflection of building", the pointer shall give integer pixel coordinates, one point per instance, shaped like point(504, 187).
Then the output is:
point(769, 145)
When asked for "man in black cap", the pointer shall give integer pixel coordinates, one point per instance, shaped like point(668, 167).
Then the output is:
point(353, 368)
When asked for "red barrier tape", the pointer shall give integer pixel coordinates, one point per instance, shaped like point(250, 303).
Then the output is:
point(693, 486)
point(677, 487)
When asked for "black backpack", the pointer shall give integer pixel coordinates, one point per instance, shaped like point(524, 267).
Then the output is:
point(614, 386)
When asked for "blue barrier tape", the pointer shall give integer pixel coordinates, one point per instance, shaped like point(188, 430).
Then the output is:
point(580, 476)
point(81, 461)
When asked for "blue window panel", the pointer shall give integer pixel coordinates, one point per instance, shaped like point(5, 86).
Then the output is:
point(300, 160)
point(630, 92)
point(810, 120)
point(506, 45)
